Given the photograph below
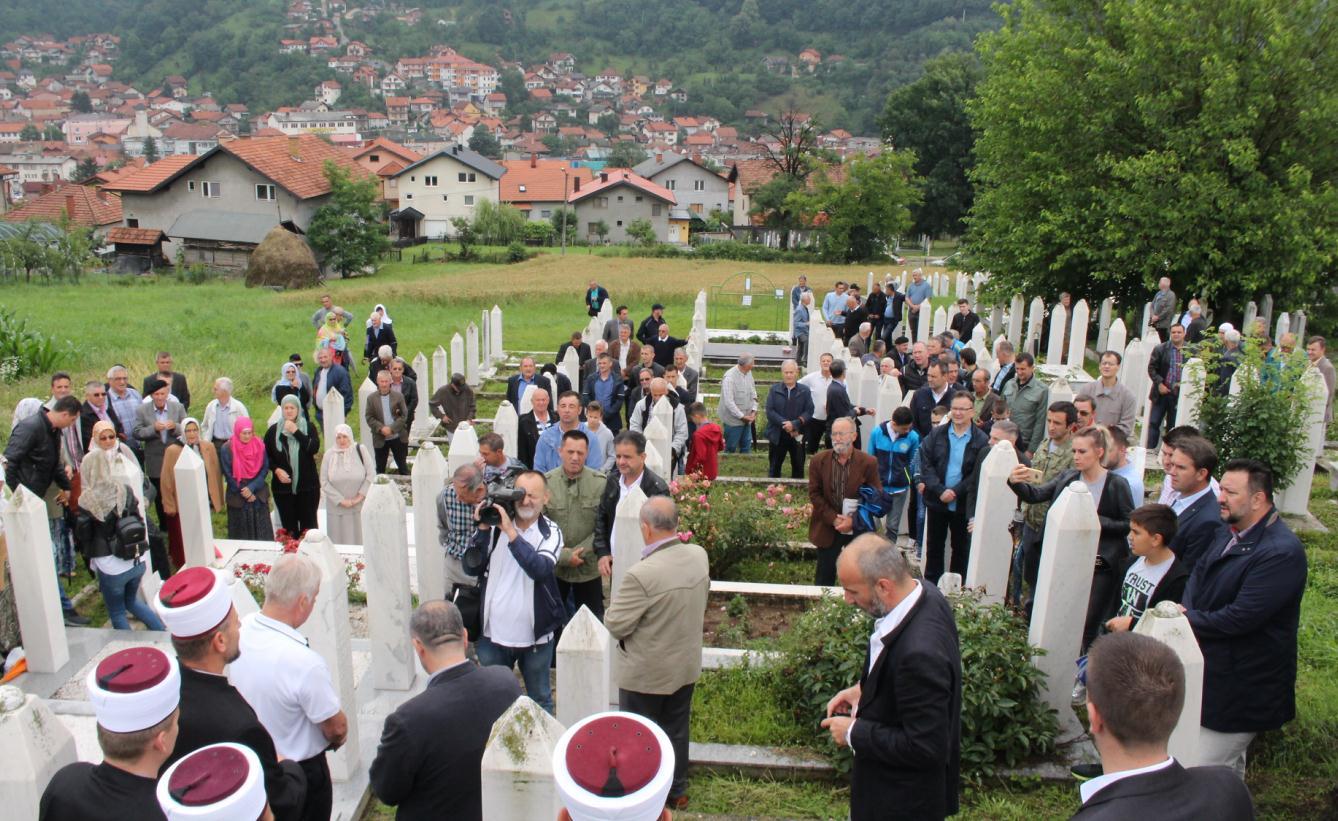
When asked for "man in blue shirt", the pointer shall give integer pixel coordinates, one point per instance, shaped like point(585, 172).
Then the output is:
point(947, 464)
point(550, 441)
point(605, 387)
point(918, 295)
point(833, 308)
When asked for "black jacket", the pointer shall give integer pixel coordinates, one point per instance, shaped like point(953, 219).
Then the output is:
point(409, 390)
point(922, 407)
point(913, 377)
point(212, 711)
point(875, 305)
point(32, 456)
point(839, 404)
point(651, 485)
point(1245, 608)
point(907, 733)
point(934, 452)
point(1113, 509)
point(527, 436)
point(964, 324)
point(1173, 793)
point(513, 390)
point(375, 339)
point(1159, 367)
point(796, 408)
point(1197, 527)
point(427, 764)
point(1003, 376)
point(89, 417)
point(594, 301)
point(664, 349)
point(82, 790)
point(179, 388)
point(613, 416)
point(309, 476)
point(649, 329)
point(854, 318)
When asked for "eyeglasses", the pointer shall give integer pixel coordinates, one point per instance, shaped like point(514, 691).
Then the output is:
point(97, 395)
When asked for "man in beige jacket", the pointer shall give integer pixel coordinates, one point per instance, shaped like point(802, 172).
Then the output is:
point(656, 617)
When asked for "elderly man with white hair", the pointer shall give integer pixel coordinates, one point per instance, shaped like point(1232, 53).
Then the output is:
point(221, 412)
point(862, 340)
point(287, 682)
point(124, 401)
point(738, 405)
point(1163, 309)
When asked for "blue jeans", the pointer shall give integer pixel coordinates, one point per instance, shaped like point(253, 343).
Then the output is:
point(60, 537)
point(121, 593)
point(738, 439)
point(535, 663)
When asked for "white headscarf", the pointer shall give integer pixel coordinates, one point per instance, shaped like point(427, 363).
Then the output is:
point(385, 316)
point(25, 408)
point(342, 456)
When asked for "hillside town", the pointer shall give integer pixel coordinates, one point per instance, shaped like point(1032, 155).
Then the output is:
point(83, 145)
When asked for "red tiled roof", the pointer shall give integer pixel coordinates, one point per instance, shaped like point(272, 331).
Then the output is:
point(134, 236)
point(151, 176)
point(389, 146)
point(611, 178)
point(90, 208)
point(302, 175)
point(543, 182)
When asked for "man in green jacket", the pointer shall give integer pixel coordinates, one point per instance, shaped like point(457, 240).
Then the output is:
point(574, 492)
point(1027, 400)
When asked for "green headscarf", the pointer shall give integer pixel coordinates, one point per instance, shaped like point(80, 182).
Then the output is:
point(287, 441)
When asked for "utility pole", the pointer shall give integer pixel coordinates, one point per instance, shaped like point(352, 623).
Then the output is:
point(564, 211)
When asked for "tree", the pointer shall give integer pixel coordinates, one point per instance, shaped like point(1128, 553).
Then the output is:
point(496, 224)
point(512, 84)
point(626, 154)
point(30, 134)
point(864, 209)
point(929, 117)
point(601, 230)
point(465, 235)
point(771, 201)
point(52, 133)
point(642, 232)
point(1125, 140)
point(609, 124)
point(150, 150)
point(86, 168)
point(347, 229)
point(81, 103)
point(791, 145)
point(485, 143)
point(569, 217)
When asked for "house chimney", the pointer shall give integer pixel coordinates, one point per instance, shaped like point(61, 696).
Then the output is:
point(577, 180)
point(294, 149)
point(603, 176)
point(659, 158)
point(534, 160)
point(697, 157)
point(69, 206)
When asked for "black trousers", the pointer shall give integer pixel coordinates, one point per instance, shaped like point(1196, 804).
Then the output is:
point(158, 557)
point(1031, 564)
point(673, 713)
point(788, 446)
point(940, 523)
point(399, 448)
point(590, 594)
point(320, 792)
point(815, 431)
point(827, 556)
point(297, 511)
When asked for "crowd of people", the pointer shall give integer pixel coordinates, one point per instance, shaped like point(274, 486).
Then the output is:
point(529, 539)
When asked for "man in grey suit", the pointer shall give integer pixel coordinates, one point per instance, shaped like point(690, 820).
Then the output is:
point(1163, 308)
point(388, 416)
point(157, 424)
point(656, 617)
point(610, 334)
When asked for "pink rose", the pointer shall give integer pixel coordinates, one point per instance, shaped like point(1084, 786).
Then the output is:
point(702, 498)
point(761, 496)
point(771, 502)
point(789, 497)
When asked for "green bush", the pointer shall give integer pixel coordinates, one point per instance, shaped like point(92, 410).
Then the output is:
point(515, 252)
point(25, 351)
point(737, 523)
point(1003, 719)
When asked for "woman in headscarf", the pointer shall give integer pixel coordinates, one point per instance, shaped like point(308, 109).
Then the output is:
point(346, 474)
point(25, 408)
point(379, 334)
point(291, 445)
point(334, 336)
point(245, 469)
point(290, 384)
point(190, 438)
point(112, 488)
point(385, 315)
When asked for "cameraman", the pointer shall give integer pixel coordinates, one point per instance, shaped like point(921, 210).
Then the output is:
point(521, 605)
point(455, 521)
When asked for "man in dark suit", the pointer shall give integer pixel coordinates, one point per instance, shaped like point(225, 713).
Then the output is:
point(583, 353)
point(1135, 692)
point(831, 525)
point(595, 297)
point(665, 345)
point(964, 321)
point(789, 407)
point(1165, 368)
point(948, 458)
point(330, 375)
point(1198, 513)
point(903, 718)
point(1004, 369)
point(1243, 601)
point(176, 381)
point(531, 427)
point(856, 315)
point(839, 405)
point(528, 375)
point(936, 391)
point(650, 326)
point(432, 746)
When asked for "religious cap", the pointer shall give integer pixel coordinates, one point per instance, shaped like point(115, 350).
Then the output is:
point(614, 766)
point(221, 782)
point(1226, 326)
point(134, 689)
point(193, 602)
point(157, 385)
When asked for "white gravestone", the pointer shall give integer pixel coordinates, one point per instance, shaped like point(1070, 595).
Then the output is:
point(869, 384)
point(1103, 324)
point(922, 330)
point(1284, 325)
point(657, 447)
point(1054, 350)
point(1064, 584)
point(424, 423)
point(385, 544)
point(1077, 355)
point(663, 410)
point(242, 600)
point(1265, 313)
point(1015, 309)
point(996, 320)
point(485, 343)
point(583, 668)
point(1251, 313)
point(1060, 391)
point(950, 584)
point(940, 320)
point(457, 355)
point(1297, 495)
point(571, 364)
point(332, 412)
point(1035, 316)
point(472, 355)
point(1298, 326)
point(517, 767)
point(527, 400)
point(441, 370)
point(32, 572)
point(889, 397)
point(819, 342)
point(328, 633)
point(1192, 381)
point(36, 745)
point(197, 530)
point(495, 338)
point(506, 424)
point(464, 448)
point(1167, 624)
point(1116, 339)
point(991, 544)
point(1147, 318)
point(366, 389)
point(429, 479)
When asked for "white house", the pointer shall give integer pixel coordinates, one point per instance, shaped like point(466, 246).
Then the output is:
point(441, 187)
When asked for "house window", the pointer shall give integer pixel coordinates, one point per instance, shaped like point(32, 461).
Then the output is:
point(131, 222)
point(211, 190)
point(190, 185)
point(699, 185)
point(443, 197)
point(546, 213)
point(601, 202)
point(638, 199)
point(655, 210)
point(430, 181)
point(472, 178)
point(375, 158)
point(620, 223)
point(671, 184)
point(265, 192)
point(469, 199)
point(408, 196)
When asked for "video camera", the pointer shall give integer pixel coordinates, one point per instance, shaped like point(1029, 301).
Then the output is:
point(504, 493)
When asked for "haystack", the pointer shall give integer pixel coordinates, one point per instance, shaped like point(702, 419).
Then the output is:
point(283, 259)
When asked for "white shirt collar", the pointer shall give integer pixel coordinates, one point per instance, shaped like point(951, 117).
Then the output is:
point(883, 627)
point(281, 628)
point(1091, 788)
point(1183, 502)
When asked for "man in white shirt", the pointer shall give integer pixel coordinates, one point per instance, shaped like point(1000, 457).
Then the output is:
point(521, 604)
point(738, 405)
point(1135, 692)
point(287, 682)
point(817, 384)
point(221, 412)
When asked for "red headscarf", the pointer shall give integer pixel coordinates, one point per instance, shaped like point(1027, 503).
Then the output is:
point(248, 457)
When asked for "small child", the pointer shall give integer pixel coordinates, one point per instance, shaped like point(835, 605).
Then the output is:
point(1156, 575)
point(708, 440)
point(895, 445)
point(601, 438)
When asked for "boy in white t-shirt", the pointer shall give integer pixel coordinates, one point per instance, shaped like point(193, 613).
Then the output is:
point(1156, 575)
